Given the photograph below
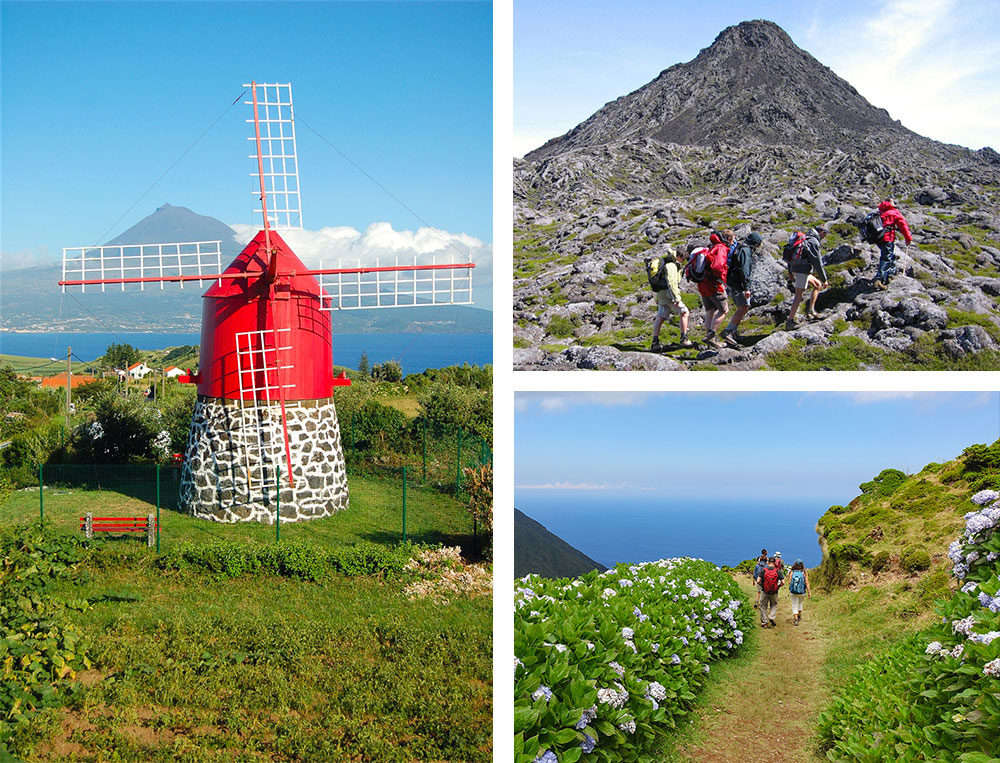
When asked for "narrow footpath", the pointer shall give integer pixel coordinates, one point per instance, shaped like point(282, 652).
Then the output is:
point(765, 707)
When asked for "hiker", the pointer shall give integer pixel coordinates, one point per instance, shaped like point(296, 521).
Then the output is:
point(738, 273)
point(770, 582)
point(713, 289)
point(668, 300)
point(777, 560)
point(807, 260)
point(758, 570)
point(892, 221)
point(798, 588)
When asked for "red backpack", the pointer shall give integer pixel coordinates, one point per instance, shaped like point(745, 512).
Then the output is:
point(792, 251)
point(770, 582)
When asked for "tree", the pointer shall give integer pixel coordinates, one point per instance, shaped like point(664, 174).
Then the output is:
point(389, 371)
point(363, 367)
point(120, 355)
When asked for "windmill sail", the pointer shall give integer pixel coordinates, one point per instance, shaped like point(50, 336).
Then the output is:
point(278, 180)
point(127, 264)
point(358, 287)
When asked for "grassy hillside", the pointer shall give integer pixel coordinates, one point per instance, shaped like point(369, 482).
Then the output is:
point(901, 525)
point(538, 551)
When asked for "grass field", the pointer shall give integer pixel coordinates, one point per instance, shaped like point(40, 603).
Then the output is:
point(41, 366)
point(192, 667)
point(375, 514)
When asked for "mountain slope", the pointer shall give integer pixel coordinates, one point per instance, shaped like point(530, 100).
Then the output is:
point(754, 134)
point(538, 551)
point(170, 224)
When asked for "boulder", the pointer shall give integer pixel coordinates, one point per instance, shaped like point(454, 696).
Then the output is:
point(965, 340)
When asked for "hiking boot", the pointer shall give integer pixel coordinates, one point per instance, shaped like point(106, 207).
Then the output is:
point(814, 315)
point(685, 342)
point(773, 624)
point(791, 325)
point(713, 342)
point(878, 285)
point(730, 339)
point(655, 346)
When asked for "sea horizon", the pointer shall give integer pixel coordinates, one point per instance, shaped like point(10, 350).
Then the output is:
point(611, 528)
point(415, 352)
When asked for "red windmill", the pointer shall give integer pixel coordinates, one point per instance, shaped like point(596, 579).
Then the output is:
point(265, 417)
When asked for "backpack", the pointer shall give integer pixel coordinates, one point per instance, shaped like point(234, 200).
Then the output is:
point(656, 272)
point(770, 581)
point(872, 229)
point(740, 257)
point(798, 582)
point(697, 267)
point(793, 249)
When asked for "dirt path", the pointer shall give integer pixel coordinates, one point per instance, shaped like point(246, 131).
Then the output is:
point(765, 708)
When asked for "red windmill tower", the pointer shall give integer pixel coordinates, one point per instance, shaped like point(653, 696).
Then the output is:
point(265, 418)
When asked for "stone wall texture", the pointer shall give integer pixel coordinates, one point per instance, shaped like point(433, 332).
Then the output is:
point(233, 451)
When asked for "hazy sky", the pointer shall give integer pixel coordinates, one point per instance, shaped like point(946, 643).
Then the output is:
point(933, 64)
point(100, 99)
point(739, 445)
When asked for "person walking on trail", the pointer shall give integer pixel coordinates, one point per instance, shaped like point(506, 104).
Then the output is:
point(758, 570)
point(800, 268)
point(798, 588)
point(668, 300)
point(713, 289)
point(770, 584)
point(777, 561)
point(892, 222)
point(738, 273)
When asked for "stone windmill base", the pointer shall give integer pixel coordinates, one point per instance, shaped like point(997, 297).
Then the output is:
point(229, 464)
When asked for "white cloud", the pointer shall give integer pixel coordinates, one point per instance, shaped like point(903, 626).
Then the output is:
point(930, 63)
point(558, 401)
point(380, 242)
point(581, 486)
point(39, 257)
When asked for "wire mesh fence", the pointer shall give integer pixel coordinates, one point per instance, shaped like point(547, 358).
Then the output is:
point(416, 496)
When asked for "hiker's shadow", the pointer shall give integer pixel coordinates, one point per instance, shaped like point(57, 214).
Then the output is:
point(671, 349)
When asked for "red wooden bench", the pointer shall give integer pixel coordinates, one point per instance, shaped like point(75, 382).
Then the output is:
point(91, 524)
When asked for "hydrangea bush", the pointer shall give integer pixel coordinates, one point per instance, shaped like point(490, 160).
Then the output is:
point(607, 662)
point(935, 696)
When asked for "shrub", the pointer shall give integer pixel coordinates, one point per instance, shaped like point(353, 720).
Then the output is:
point(560, 327)
point(479, 483)
point(608, 662)
point(915, 559)
point(936, 695)
point(880, 562)
point(390, 371)
point(838, 509)
point(884, 484)
point(123, 430)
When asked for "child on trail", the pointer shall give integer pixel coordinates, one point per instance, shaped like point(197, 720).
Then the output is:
point(892, 221)
point(669, 300)
point(800, 270)
point(758, 570)
point(798, 588)
point(770, 583)
point(738, 273)
point(713, 289)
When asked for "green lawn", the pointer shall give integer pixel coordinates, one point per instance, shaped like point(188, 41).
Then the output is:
point(375, 514)
point(192, 667)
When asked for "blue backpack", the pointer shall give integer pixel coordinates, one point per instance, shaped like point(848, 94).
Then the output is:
point(798, 582)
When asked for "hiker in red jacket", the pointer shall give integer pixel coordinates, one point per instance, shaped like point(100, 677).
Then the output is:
point(892, 221)
point(713, 289)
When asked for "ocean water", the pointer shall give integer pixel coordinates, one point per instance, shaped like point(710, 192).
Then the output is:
point(415, 352)
point(612, 529)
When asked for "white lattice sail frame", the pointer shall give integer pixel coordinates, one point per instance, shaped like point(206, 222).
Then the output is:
point(129, 264)
point(395, 285)
point(278, 155)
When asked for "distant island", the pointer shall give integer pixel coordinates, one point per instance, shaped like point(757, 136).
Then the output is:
point(538, 551)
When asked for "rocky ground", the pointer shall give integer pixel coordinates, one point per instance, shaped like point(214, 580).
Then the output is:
point(586, 218)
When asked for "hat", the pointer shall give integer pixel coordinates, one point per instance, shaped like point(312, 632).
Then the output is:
point(755, 239)
point(799, 561)
point(777, 553)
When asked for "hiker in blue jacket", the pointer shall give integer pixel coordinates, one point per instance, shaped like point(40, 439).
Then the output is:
point(738, 276)
point(798, 588)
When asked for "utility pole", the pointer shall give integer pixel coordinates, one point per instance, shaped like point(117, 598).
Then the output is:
point(69, 377)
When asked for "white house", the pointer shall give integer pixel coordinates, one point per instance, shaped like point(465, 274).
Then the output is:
point(138, 370)
point(172, 372)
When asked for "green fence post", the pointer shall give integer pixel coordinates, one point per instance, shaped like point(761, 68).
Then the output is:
point(41, 496)
point(404, 504)
point(157, 508)
point(482, 451)
point(425, 450)
point(458, 464)
point(277, 505)
point(353, 415)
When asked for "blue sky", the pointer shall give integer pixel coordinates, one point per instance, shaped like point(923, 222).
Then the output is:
point(933, 64)
point(99, 99)
point(739, 445)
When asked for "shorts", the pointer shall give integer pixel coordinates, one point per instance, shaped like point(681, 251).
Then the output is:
point(798, 599)
point(677, 308)
point(801, 280)
point(738, 299)
point(716, 302)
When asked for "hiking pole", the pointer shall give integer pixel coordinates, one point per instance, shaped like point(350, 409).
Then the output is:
point(906, 252)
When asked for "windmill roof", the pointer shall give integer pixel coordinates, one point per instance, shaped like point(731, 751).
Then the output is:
point(253, 260)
